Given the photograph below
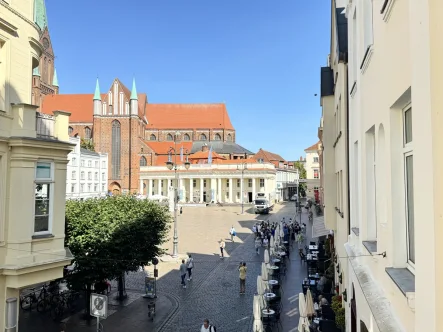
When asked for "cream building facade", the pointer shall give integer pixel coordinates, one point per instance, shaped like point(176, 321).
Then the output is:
point(33, 159)
point(87, 173)
point(393, 250)
point(312, 166)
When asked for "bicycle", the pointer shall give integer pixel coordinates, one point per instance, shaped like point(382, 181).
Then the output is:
point(58, 307)
point(27, 301)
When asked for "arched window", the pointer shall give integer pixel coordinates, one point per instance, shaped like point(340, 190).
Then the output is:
point(116, 149)
point(229, 138)
point(169, 137)
point(152, 137)
point(87, 133)
point(70, 130)
point(143, 161)
point(217, 137)
point(186, 137)
point(203, 137)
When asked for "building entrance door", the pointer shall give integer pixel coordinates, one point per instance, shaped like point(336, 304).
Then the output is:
point(250, 198)
point(204, 196)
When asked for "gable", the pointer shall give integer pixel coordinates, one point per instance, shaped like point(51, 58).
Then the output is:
point(45, 40)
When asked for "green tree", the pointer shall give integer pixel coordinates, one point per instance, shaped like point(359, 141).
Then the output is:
point(302, 171)
point(87, 144)
point(113, 235)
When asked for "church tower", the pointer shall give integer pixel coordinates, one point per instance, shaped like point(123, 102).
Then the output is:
point(44, 77)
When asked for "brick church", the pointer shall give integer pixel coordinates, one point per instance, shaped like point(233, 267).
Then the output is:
point(134, 132)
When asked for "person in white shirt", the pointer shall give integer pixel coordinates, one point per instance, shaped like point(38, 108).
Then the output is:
point(206, 327)
point(190, 266)
point(232, 232)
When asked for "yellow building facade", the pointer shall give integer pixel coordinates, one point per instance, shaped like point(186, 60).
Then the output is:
point(33, 161)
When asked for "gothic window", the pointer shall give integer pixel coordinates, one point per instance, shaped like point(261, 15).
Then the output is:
point(186, 137)
point(229, 138)
point(217, 137)
point(70, 130)
point(116, 149)
point(169, 137)
point(203, 137)
point(152, 137)
point(143, 161)
point(87, 133)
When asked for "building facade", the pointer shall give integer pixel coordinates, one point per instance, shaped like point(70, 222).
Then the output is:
point(287, 175)
point(312, 166)
point(87, 173)
point(135, 133)
point(395, 141)
point(33, 161)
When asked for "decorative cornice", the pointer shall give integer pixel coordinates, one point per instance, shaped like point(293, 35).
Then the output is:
point(8, 26)
point(12, 10)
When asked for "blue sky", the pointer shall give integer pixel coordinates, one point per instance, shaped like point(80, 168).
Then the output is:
point(262, 58)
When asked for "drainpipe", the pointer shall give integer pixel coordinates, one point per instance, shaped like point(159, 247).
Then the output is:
point(347, 147)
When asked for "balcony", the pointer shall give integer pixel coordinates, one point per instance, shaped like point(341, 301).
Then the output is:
point(44, 125)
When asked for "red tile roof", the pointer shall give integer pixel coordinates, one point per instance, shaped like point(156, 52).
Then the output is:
point(164, 147)
point(313, 147)
point(269, 156)
point(192, 116)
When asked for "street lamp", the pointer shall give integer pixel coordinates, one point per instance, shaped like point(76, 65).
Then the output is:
point(173, 165)
point(242, 167)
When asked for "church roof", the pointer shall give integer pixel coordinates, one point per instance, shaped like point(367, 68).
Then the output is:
point(40, 17)
point(221, 147)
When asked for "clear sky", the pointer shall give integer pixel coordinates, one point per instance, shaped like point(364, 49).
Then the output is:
point(261, 57)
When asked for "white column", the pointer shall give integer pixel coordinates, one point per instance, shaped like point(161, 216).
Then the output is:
point(191, 190)
point(213, 190)
point(219, 187)
point(141, 186)
point(159, 186)
point(201, 190)
point(242, 189)
point(230, 191)
point(149, 191)
point(181, 192)
point(253, 188)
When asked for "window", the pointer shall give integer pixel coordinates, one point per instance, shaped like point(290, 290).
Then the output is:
point(261, 160)
point(116, 147)
point(217, 137)
point(204, 183)
point(89, 187)
point(44, 184)
point(103, 187)
point(409, 185)
point(96, 164)
point(250, 183)
point(96, 176)
point(73, 188)
point(89, 175)
point(227, 183)
point(89, 163)
point(95, 187)
point(82, 175)
point(103, 164)
point(73, 175)
point(143, 161)
point(87, 133)
point(262, 183)
point(238, 195)
point(74, 161)
point(152, 137)
point(82, 163)
point(238, 183)
point(316, 176)
point(169, 137)
point(82, 187)
point(103, 177)
point(194, 183)
point(203, 137)
point(70, 130)
point(186, 137)
point(315, 159)
point(229, 138)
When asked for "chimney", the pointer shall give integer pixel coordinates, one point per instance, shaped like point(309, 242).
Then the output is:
point(205, 147)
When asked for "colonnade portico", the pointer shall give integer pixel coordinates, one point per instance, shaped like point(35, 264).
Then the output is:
point(201, 189)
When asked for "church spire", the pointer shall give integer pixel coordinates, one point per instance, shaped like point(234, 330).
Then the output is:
point(134, 91)
point(55, 78)
point(97, 91)
point(40, 17)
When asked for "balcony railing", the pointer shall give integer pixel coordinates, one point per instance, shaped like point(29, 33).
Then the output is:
point(45, 125)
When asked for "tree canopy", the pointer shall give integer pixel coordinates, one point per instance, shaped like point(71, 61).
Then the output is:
point(302, 172)
point(87, 144)
point(112, 235)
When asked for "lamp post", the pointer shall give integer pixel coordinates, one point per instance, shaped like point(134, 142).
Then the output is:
point(173, 165)
point(242, 167)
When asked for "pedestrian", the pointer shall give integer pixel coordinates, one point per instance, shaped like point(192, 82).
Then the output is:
point(222, 248)
point(183, 270)
point(190, 266)
point(257, 245)
point(206, 327)
point(232, 233)
point(254, 230)
point(242, 270)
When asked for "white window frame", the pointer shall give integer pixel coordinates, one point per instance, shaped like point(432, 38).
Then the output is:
point(408, 151)
point(238, 183)
point(73, 175)
point(51, 182)
point(249, 183)
point(262, 183)
point(89, 163)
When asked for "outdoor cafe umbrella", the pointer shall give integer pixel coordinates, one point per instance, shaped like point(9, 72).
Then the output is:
point(303, 323)
point(309, 304)
point(258, 325)
point(271, 243)
point(266, 256)
point(264, 271)
point(260, 288)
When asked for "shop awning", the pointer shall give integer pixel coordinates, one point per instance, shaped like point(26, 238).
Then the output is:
point(318, 227)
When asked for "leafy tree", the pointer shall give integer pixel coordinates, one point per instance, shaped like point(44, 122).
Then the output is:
point(87, 144)
point(302, 171)
point(113, 235)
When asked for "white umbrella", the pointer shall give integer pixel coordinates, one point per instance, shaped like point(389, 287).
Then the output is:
point(264, 272)
point(266, 256)
point(258, 325)
point(309, 304)
point(303, 322)
point(260, 289)
point(271, 244)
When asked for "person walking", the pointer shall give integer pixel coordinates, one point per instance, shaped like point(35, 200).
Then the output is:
point(183, 269)
point(232, 233)
point(222, 248)
point(242, 270)
point(190, 266)
point(257, 245)
point(206, 327)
